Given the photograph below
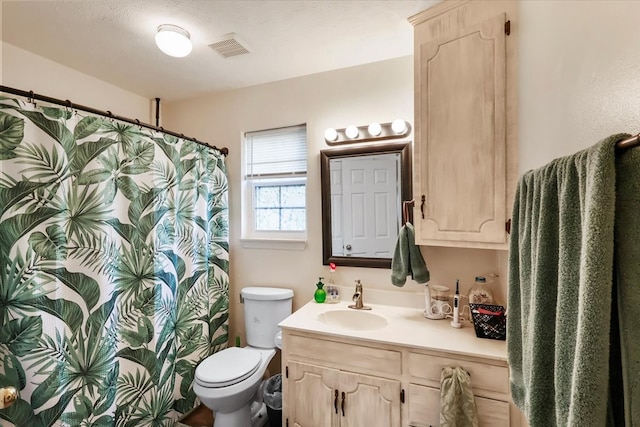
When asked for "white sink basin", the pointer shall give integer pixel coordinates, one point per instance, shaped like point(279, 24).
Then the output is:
point(357, 320)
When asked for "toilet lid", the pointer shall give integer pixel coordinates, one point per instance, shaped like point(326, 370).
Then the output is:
point(227, 367)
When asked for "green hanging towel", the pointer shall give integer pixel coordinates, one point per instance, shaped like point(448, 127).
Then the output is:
point(407, 258)
point(561, 264)
point(457, 404)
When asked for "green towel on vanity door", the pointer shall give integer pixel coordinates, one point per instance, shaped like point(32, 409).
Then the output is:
point(407, 258)
point(560, 289)
point(457, 404)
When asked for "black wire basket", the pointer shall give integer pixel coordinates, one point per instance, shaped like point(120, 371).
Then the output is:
point(489, 321)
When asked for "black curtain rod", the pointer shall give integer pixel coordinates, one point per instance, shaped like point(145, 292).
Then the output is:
point(66, 103)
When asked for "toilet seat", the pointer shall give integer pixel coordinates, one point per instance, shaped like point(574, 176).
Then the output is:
point(227, 367)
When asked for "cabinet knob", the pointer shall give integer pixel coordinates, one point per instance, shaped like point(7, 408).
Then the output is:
point(422, 200)
point(348, 247)
point(8, 395)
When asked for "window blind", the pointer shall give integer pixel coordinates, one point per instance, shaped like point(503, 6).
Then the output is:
point(276, 152)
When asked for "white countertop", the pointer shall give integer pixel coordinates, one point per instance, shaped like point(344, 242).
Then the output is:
point(406, 327)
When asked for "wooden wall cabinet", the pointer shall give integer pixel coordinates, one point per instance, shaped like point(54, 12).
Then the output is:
point(338, 382)
point(465, 149)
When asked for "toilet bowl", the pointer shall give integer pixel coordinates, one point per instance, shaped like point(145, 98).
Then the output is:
point(228, 381)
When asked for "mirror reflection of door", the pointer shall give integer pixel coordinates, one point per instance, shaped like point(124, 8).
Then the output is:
point(365, 197)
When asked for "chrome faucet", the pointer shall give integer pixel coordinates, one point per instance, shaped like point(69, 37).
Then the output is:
point(358, 298)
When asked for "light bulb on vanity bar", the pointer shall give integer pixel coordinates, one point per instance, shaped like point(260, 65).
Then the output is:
point(330, 134)
point(352, 132)
point(374, 129)
point(399, 126)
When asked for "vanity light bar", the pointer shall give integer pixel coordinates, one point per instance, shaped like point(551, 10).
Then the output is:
point(373, 132)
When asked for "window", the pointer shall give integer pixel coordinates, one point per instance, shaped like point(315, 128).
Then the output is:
point(275, 179)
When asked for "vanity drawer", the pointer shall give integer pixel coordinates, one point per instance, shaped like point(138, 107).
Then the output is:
point(483, 376)
point(424, 409)
point(355, 358)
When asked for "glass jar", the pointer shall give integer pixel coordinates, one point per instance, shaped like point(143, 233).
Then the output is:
point(480, 292)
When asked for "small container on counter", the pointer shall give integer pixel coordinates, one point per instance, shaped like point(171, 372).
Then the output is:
point(480, 292)
point(333, 294)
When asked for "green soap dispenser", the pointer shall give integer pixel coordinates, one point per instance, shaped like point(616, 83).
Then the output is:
point(320, 294)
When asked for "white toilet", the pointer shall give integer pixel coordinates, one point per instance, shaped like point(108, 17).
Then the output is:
point(227, 382)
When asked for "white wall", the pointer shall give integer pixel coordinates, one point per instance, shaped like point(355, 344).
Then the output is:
point(579, 81)
point(579, 74)
point(25, 71)
point(379, 92)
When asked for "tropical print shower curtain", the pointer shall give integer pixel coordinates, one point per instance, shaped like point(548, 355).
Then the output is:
point(114, 268)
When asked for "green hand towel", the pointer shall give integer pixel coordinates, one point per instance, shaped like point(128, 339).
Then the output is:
point(407, 259)
point(627, 260)
point(457, 404)
point(560, 281)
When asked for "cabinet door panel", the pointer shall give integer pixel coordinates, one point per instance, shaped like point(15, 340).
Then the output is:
point(424, 409)
point(369, 401)
point(461, 154)
point(311, 395)
point(492, 413)
point(424, 406)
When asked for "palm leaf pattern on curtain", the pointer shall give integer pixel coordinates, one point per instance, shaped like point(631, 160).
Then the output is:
point(114, 268)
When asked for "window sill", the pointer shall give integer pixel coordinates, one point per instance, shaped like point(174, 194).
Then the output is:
point(285, 244)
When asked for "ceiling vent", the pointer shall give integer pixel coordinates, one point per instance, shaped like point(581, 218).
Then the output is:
point(229, 45)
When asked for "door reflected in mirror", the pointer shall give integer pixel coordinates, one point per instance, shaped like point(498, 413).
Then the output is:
point(362, 193)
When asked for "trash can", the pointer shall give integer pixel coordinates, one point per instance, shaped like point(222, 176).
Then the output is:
point(273, 400)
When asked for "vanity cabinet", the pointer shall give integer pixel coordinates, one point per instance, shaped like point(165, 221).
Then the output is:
point(330, 397)
point(465, 148)
point(321, 389)
point(380, 384)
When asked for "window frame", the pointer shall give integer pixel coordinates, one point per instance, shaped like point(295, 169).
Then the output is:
point(270, 239)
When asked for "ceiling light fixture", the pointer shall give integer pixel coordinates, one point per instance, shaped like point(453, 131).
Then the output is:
point(173, 40)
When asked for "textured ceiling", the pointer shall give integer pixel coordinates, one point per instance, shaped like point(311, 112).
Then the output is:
point(113, 40)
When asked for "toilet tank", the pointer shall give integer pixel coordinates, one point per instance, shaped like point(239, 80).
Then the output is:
point(264, 308)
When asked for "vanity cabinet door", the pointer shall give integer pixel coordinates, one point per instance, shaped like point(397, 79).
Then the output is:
point(369, 401)
point(311, 399)
point(492, 413)
point(424, 409)
point(462, 129)
point(424, 406)
point(325, 397)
